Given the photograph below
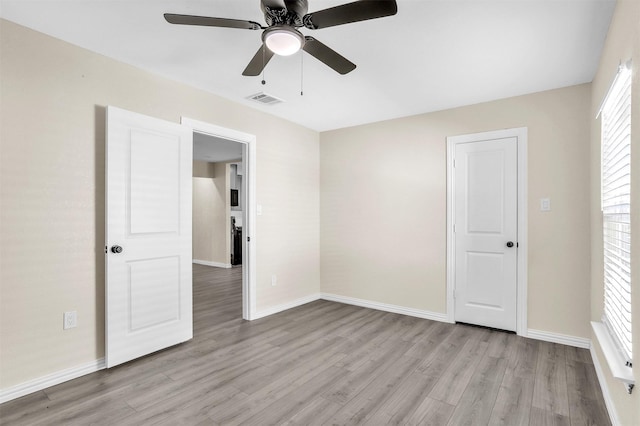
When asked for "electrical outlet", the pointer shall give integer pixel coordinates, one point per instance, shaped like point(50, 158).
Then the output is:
point(70, 320)
point(274, 280)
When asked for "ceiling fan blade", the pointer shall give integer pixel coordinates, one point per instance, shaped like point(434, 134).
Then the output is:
point(328, 56)
point(258, 62)
point(211, 22)
point(350, 12)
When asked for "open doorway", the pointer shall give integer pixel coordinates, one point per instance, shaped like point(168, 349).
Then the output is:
point(148, 233)
point(223, 197)
point(217, 219)
point(217, 201)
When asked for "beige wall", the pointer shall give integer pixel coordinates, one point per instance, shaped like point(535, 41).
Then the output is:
point(211, 212)
point(383, 198)
point(622, 44)
point(383, 206)
point(52, 128)
point(204, 169)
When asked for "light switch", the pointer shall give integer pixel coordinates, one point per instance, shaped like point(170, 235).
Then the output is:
point(545, 204)
point(259, 209)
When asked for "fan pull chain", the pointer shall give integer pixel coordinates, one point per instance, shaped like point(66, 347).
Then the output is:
point(301, 73)
point(263, 66)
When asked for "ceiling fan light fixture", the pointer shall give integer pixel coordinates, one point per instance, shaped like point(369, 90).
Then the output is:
point(283, 40)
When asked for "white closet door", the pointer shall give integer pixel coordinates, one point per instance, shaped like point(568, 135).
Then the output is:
point(486, 223)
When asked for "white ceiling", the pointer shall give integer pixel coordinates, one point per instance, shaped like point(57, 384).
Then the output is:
point(213, 149)
point(432, 55)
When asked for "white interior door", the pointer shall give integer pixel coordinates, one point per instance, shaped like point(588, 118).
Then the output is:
point(485, 232)
point(148, 235)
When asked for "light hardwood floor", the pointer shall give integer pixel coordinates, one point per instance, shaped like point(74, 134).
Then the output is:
point(327, 363)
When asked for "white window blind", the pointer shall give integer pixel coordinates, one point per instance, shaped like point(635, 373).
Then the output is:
point(616, 212)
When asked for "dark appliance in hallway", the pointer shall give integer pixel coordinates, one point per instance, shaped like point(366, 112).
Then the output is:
point(236, 243)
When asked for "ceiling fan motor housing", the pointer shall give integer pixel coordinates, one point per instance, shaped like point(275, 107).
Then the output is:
point(284, 12)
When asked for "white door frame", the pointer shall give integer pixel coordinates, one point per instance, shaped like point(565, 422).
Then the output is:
point(521, 303)
point(249, 203)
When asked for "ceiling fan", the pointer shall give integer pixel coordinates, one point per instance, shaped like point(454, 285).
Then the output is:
point(281, 36)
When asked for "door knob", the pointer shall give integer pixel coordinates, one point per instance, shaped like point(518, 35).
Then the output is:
point(116, 249)
point(510, 244)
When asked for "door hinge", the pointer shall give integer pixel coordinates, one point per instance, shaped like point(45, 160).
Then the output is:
point(454, 228)
point(248, 239)
point(454, 163)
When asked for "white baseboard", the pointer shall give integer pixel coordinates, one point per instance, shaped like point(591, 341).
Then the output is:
point(606, 394)
point(214, 264)
point(284, 306)
point(563, 339)
point(49, 380)
point(435, 316)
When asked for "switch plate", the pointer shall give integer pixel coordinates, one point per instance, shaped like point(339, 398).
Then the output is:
point(274, 280)
point(70, 320)
point(545, 204)
point(259, 209)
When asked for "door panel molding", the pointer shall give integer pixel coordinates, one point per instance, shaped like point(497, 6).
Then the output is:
point(249, 203)
point(521, 276)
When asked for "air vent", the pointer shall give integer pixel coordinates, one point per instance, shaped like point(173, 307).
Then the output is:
point(264, 98)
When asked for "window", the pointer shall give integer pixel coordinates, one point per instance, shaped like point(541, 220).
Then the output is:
point(616, 202)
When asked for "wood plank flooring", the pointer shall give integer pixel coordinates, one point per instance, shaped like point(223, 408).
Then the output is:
point(326, 363)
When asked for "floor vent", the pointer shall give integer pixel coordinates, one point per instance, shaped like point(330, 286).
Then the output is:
point(265, 99)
